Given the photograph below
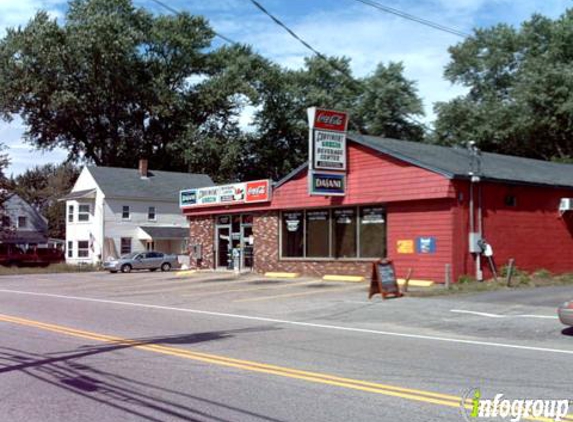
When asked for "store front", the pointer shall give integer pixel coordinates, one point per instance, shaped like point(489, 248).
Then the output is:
point(408, 202)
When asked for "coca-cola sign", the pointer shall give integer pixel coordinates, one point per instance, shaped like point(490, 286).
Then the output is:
point(330, 120)
point(258, 191)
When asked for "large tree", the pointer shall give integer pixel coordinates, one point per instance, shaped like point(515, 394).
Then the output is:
point(42, 186)
point(113, 83)
point(520, 90)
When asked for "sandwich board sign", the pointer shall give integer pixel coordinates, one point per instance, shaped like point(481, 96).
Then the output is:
point(384, 280)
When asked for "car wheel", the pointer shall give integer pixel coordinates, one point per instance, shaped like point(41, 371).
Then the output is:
point(165, 266)
point(126, 268)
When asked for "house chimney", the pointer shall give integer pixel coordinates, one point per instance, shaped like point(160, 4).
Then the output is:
point(143, 167)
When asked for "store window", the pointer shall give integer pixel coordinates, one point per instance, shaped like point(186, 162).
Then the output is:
point(318, 234)
point(151, 213)
point(83, 249)
point(293, 234)
point(344, 233)
point(372, 233)
point(84, 212)
point(125, 245)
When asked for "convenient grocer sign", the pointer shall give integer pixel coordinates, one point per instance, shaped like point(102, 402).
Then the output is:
point(235, 193)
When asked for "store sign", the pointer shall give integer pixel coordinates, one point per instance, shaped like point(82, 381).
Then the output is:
point(258, 191)
point(405, 246)
point(426, 245)
point(329, 150)
point(373, 215)
point(293, 221)
point(327, 184)
point(329, 120)
point(236, 193)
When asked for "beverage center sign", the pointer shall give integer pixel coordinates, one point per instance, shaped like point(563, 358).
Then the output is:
point(327, 151)
point(236, 193)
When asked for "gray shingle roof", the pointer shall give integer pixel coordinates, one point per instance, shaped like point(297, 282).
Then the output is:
point(455, 162)
point(159, 185)
point(78, 194)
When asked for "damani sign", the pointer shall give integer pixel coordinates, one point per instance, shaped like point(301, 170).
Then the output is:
point(327, 184)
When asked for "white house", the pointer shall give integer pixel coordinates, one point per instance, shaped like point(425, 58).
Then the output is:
point(113, 211)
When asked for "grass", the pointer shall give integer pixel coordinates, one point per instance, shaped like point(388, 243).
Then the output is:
point(520, 280)
point(50, 269)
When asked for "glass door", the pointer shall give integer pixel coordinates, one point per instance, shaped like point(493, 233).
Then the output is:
point(223, 246)
point(247, 243)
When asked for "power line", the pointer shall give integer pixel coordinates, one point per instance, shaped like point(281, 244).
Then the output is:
point(414, 18)
point(177, 12)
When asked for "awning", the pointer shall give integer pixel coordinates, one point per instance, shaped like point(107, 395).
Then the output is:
point(163, 233)
point(88, 193)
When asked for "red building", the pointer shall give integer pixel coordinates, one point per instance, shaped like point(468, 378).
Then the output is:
point(410, 202)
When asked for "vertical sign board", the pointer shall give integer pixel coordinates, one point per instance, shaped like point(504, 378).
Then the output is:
point(384, 280)
point(327, 151)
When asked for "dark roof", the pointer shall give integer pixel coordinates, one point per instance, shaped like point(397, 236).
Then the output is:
point(78, 194)
point(22, 236)
point(455, 162)
point(158, 233)
point(159, 185)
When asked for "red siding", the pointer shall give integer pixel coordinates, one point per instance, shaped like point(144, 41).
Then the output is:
point(533, 232)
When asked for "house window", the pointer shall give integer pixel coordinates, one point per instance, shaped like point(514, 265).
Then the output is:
point(125, 212)
point(125, 245)
point(151, 213)
point(293, 234)
point(22, 222)
point(150, 245)
point(83, 248)
point(70, 249)
point(6, 222)
point(84, 212)
point(70, 213)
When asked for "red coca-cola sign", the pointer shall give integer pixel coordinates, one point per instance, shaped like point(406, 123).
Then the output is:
point(258, 191)
point(330, 120)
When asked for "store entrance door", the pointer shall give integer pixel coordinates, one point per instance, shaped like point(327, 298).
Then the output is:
point(223, 246)
point(247, 246)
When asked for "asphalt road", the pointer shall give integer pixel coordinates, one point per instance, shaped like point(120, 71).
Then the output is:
point(209, 347)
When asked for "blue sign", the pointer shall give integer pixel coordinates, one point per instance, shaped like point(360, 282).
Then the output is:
point(327, 184)
point(187, 197)
point(426, 245)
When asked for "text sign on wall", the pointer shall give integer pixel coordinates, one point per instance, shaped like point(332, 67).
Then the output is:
point(236, 193)
point(333, 184)
point(329, 150)
point(329, 120)
point(426, 244)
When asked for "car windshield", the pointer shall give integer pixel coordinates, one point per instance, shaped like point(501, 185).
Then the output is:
point(130, 255)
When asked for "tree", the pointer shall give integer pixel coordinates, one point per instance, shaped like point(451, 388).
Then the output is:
point(42, 186)
point(384, 103)
point(114, 83)
point(520, 90)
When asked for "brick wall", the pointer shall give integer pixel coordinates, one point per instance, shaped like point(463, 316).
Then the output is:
point(202, 232)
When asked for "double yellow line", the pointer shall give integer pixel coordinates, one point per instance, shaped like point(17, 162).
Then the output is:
point(315, 377)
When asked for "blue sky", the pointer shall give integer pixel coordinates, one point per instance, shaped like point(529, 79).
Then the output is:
point(334, 27)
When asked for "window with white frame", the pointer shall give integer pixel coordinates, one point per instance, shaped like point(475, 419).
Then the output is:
point(70, 249)
point(125, 215)
point(70, 213)
point(83, 248)
point(84, 212)
point(151, 213)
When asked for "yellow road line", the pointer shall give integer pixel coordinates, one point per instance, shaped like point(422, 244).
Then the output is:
point(251, 289)
point(322, 291)
point(315, 377)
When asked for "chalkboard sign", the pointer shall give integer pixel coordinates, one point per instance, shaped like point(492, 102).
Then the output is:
point(384, 279)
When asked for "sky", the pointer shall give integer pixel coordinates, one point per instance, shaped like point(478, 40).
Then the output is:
point(348, 28)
